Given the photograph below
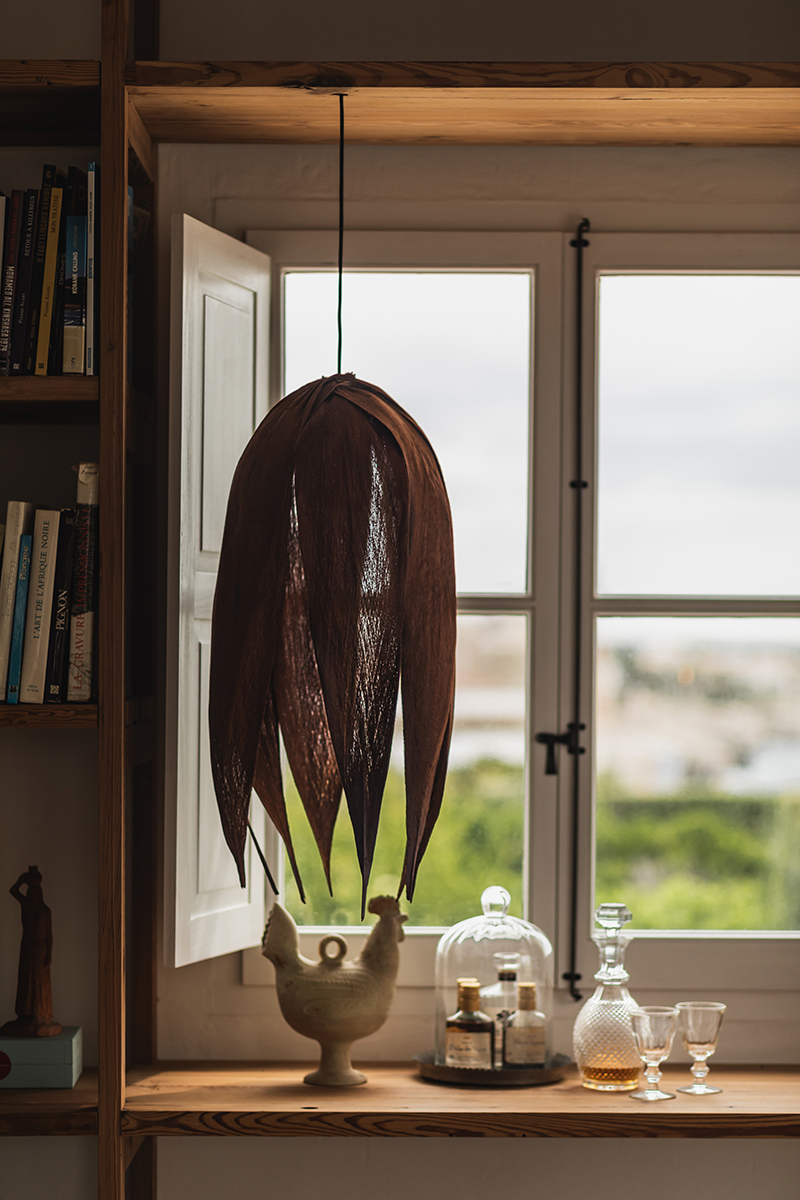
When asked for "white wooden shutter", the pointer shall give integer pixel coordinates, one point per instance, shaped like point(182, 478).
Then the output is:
point(218, 394)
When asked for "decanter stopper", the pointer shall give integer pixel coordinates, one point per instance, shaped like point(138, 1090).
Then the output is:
point(603, 1042)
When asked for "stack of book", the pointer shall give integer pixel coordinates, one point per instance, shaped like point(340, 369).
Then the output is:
point(47, 598)
point(47, 275)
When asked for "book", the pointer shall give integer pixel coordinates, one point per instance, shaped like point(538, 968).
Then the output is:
point(10, 260)
point(19, 322)
point(19, 521)
point(37, 270)
point(3, 215)
point(49, 281)
point(82, 602)
point(18, 626)
point(40, 602)
point(72, 205)
point(75, 298)
point(55, 681)
point(91, 267)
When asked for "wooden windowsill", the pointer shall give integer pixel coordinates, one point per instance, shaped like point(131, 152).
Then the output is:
point(26, 1112)
point(270, 1099)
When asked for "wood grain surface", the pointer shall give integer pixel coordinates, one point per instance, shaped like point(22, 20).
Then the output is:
point(53, 716)
point(465, 115)
point(61, 389)
point(112, 596)
point(270, 1099)
point(463, 74)
point(26, 1112)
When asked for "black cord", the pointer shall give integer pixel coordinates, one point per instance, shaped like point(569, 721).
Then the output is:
point(341, 231)
point(260, 854)
point(579, 485)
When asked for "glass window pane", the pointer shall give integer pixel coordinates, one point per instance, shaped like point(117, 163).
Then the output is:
point(454, 350)
point(698, 770)
point(479, 837)
point(699, 427)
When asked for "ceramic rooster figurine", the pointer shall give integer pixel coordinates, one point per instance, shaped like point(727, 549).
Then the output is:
point(333, 1001)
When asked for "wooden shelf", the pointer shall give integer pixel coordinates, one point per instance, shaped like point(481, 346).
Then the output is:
point(51, 399)
point(644, 104)
point(49, 103)
point(52, 1110)
point(52, 716)
point(270, 1099)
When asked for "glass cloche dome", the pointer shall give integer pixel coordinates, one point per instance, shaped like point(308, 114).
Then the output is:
point(480, 948)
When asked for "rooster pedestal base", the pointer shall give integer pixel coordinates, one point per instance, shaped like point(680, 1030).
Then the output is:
point(333, 1001)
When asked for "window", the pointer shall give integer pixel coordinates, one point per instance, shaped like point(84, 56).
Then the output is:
point(691, 596)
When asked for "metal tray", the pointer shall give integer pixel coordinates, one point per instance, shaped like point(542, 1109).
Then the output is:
point(502, 1077)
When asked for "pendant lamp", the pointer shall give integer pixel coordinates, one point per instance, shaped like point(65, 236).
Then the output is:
point(335, 590)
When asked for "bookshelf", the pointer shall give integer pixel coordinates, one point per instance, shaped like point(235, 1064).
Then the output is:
point(127, 108)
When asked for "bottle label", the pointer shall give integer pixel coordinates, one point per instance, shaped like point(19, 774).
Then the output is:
point(524, 1046)
point(463, 1048)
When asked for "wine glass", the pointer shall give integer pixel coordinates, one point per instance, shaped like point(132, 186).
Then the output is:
point(700, 1021)
point(653, 1029)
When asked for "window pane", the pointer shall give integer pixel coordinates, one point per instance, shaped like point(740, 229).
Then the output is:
point(479, 837)
point(698, 770)
point(454, 350)
point(699, 423)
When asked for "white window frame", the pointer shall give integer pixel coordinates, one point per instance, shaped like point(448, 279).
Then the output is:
point(692, 963)
point(541, 254)
point(689, 961)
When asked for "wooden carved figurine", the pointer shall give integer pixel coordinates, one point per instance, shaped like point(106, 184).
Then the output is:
point(34, 1004)
point(333, 1001)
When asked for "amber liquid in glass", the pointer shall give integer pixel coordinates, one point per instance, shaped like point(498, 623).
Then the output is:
point(622, 1078)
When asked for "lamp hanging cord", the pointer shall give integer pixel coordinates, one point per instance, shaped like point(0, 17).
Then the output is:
point(260, 854)
point(341, 232)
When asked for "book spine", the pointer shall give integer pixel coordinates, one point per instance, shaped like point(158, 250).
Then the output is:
point(37, 273)
point(18, 628)
point(56, 673)
point(40, 603)
point(91, 273)
point(82, 604)
point(19, 325)
point(49, 281)
point(10, 261)
point(75, 297)
point(19, 521)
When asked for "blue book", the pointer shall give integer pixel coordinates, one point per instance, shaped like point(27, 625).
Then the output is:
point(18, 628)
point(74, 345)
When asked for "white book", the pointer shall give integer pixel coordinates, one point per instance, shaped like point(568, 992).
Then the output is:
point(40, 605)
point(19, 520)
point(91, 230)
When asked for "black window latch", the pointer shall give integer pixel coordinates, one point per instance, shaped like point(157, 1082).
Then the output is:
point(568, 739)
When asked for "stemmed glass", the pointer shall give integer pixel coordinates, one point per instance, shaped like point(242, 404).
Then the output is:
point(653, 1029)
point(700, 1022)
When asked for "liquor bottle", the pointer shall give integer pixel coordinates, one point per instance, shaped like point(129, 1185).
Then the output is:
point(469, 1033)
point(525, 1032)
point(500, 999)
point(602, 1038)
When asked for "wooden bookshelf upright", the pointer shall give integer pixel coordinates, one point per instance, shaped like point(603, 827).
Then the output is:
point(128, 106)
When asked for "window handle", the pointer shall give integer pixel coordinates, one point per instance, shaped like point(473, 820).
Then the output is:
point(568, 739)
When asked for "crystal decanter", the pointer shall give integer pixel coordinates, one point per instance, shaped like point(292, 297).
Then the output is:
point(602, 1039)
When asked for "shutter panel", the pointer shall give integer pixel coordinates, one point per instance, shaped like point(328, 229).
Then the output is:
point(218, 394)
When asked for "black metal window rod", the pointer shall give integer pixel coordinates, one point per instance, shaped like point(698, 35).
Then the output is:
point(571, 739)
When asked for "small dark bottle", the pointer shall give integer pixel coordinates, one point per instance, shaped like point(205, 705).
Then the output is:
point(469, 1033)
point(525, 1032)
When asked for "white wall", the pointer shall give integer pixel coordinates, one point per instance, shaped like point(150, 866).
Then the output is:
point(478, 30)
point(465, 1169)
point(481, 30)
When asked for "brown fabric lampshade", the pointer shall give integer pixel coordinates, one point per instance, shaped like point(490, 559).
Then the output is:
point(336, 585)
